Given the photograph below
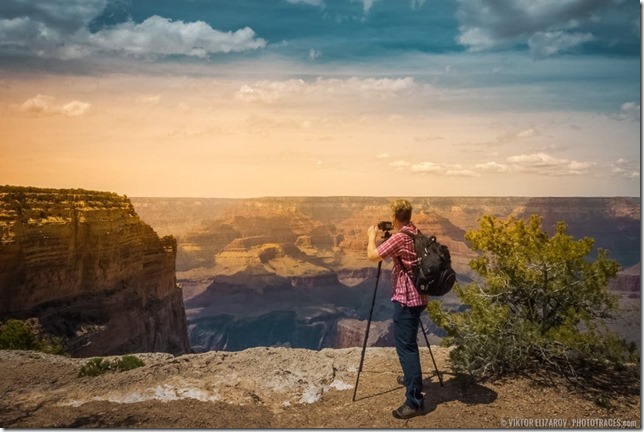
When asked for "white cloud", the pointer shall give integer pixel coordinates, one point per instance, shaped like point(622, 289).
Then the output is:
point(379, 88)
point(314, 54)
point(75, 108)
point(493, 167)
point(544, 164)
point(148, 99)
point(366, 5)
point(45, 105)
point(319, 3)
point(270, 91)
point(626, 168)
point(417, 4)
point(546, 44)
point(526, 133)
point(67, 16)
point(461, 173)
point(629, 111)
point(399, 164)
point(42, 31)
point(439, 168)
point(545, 25)
point(426, 167)
point(161, 36)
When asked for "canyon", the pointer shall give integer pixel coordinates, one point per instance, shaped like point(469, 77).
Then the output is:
point(292, 271)
point(90, 271)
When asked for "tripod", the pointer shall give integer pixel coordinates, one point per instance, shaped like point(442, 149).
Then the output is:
point(366, 336)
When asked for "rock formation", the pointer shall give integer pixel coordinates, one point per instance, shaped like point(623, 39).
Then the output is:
point(628, 282)
point(298, 265)
point(90, 270)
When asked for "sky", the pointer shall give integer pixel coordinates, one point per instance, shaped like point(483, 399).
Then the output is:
point(253, 98)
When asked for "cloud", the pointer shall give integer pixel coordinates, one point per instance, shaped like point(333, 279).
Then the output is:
point(51, 30)
point(162, 36)
point(629, 111)
point(507, 138)
point(75, 108)
point(59, 17)
point(148, 99)
point(625, 168)
point(442, 169)
point(270, 91)
point(493, 167)
point(417, 4)
point(45, 105)
point(544, 164)
point(399, 165)
point(546, 44)
point(384, 156)
point(544, 26)
point(366, 5)
point(313, 54)
point(318, 3)
point(526, 133)
point(273, 91)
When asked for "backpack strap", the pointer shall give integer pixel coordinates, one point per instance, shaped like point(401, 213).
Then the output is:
point(413, 237)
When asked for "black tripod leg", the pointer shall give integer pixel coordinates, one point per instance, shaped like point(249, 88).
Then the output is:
point(366, 335)
point(440, 375)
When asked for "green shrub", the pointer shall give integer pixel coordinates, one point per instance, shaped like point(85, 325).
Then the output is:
point(18, 335)
point(98, 366)
point(540, 304)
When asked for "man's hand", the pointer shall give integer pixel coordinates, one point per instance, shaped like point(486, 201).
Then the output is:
point(372, 251)
point(371, 232)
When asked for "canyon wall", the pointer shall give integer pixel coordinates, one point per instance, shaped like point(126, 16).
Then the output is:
point(90, 270)
point(293, 271)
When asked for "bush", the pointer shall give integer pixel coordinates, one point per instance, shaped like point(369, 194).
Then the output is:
point(540, 304)
point(18, 335)
point(98, 366)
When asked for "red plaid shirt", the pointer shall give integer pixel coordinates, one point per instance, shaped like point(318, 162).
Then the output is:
point(401, 247)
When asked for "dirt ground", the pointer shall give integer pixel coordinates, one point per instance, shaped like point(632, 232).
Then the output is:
point(285, 388)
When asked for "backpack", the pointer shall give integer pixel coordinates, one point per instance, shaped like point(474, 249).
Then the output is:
point(433, 274)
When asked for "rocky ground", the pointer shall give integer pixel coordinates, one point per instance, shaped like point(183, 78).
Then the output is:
point(286, 388)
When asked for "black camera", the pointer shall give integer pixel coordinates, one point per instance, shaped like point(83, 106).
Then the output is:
point(385, 226)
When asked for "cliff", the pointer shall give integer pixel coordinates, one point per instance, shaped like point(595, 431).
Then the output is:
point(90, 270)
point(277, 263)
point(280, 388)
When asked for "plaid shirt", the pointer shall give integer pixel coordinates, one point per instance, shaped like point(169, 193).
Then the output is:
point(402, 246)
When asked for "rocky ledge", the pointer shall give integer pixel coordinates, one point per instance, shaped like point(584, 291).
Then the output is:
point(90, 270)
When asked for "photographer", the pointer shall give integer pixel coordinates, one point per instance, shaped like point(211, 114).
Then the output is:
point(408, 303)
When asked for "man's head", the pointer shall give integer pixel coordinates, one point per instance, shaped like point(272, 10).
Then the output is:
point(401, 211)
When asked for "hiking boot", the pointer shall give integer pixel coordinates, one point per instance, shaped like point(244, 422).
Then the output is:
point(404, 411)
point(400, 380)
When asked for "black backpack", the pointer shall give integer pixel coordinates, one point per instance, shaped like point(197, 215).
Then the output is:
point(433, 274)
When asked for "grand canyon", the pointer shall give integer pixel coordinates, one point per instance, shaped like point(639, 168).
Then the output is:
point(113, 274)
point(251, 312)
point(293, 271)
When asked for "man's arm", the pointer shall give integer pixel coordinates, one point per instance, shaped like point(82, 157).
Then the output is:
point(372, 251)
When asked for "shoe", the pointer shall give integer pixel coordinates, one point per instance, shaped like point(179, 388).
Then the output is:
point(406, 412)
point(400, 380)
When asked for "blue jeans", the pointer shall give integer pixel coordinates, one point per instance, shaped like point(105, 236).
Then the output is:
point(406, 322)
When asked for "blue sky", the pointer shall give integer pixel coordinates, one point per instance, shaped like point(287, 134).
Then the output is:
point(322, 97)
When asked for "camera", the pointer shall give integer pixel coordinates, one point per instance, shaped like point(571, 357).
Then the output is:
point(385, 226)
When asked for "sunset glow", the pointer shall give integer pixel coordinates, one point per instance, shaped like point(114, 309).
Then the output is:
point(376, 98)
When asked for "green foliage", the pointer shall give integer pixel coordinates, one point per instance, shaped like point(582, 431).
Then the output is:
point(98, 366)
point(18, 335)
point(540, 304)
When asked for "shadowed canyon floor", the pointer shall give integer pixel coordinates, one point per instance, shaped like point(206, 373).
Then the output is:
point(281, 388)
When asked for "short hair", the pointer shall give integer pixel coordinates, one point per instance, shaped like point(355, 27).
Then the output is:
point(401, 209)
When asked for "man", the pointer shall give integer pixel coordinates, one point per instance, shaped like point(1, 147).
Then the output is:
point(408, 303)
